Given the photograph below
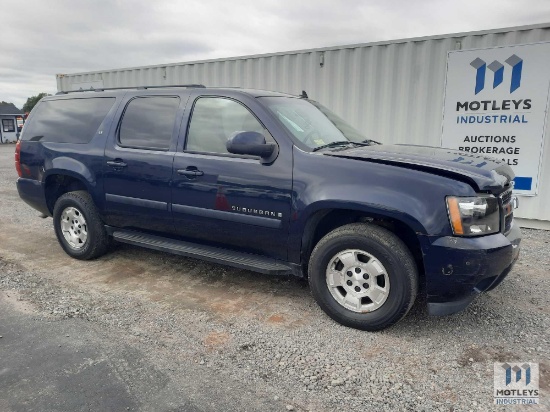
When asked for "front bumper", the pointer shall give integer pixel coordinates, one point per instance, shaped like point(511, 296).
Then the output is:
point(459, 269)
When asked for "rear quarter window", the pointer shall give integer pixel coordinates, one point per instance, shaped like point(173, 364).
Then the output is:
point(67, 120)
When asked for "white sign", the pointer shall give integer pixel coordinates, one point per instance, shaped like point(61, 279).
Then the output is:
point(496, 103)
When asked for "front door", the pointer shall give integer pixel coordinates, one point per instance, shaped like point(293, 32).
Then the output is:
point(138, 164)
point(225, 199)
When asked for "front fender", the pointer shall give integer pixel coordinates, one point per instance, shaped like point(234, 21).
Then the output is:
point(414, 198)
point(390, 209)
point(308, 219)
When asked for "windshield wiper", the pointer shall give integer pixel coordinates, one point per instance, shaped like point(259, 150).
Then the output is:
point(369, 141)
point(333, 144)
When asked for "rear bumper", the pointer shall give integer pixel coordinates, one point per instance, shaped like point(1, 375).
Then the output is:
point(32, 193)
point(459, 269)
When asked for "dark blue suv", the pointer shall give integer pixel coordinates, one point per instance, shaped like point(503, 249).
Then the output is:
point(272, 183)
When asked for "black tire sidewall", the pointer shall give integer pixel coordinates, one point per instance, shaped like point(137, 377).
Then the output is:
point(398, 301)
point(71, 200)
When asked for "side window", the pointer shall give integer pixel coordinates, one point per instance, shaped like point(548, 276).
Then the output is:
point(148, 122)
point(214, 120)
point(67, 120)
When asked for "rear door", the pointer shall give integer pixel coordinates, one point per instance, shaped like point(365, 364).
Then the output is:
point(230, 200)
point(138, 162)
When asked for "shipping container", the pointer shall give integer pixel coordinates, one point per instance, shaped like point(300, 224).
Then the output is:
point(393, 91)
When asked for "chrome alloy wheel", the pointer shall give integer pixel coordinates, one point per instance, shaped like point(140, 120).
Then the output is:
point(73, 227)
point(357, 280)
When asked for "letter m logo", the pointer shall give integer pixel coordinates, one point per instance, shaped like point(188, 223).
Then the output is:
point(513, 374)
point(498, 72)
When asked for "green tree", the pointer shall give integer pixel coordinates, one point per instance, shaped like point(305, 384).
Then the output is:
point(31, 101)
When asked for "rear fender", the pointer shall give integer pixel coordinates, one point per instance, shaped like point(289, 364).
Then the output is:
point(70, 167)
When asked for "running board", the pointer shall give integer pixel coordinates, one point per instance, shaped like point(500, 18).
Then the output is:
point(211, 254)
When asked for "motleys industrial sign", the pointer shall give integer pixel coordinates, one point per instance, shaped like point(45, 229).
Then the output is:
point(516, 383)
point(496, 103)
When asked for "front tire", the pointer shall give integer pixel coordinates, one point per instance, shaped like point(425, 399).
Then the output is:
point(363, 276)
point(78, 227)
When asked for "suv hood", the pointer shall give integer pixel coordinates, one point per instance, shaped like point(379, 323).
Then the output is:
point(483, 173)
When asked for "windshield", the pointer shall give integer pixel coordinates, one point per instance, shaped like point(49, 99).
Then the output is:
point(311, 123)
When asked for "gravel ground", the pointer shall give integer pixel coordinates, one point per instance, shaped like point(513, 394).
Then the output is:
point(268, 333)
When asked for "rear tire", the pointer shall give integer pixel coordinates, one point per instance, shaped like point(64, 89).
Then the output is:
point(78, 227)
point(363, 276)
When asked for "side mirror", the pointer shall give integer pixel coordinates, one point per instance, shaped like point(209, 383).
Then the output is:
point(250, 143)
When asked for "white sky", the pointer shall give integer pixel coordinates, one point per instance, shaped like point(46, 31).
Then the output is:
point(39, 38)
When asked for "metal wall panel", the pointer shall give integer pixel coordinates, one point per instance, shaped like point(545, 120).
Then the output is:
point(392, 91)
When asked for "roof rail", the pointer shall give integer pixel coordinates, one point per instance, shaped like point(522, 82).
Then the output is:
point(102, 89)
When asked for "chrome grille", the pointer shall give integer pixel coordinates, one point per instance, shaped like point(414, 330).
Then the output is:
point(506, 197)
point(508, 223)
point(507, 210)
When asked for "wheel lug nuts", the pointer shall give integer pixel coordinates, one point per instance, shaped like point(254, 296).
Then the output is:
point(357, 289)
point(349, 273)
point(349, 283)
point(366, 285)
point(365, 276)
point(357, 270)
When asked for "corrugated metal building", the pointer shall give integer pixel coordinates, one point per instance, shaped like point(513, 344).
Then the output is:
point(393, 91)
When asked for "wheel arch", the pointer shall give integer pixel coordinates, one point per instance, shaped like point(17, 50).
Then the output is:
point(65, 174)
point(324, 220)
point(60, 182)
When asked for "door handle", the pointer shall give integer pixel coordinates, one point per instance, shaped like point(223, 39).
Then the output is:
point(190, 172)
point(116, 163)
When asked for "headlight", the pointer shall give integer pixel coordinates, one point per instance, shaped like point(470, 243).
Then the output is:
point(473, 216)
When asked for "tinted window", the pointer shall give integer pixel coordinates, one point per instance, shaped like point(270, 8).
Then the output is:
point(148, 122)
point(68, 120)
point(214, 120)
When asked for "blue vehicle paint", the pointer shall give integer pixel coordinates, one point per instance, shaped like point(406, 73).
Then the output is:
point(274, 209)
